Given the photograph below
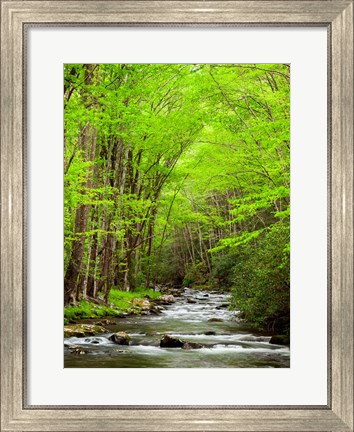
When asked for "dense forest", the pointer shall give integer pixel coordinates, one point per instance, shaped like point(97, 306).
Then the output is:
point(179, 175)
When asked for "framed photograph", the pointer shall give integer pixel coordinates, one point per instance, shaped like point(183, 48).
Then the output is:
point(164, 103)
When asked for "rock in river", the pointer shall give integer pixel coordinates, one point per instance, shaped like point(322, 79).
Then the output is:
point(191, 301)
point(120, 338)
point(166, 299)
point(171, 342)
point(280, 340)
point(81, 330)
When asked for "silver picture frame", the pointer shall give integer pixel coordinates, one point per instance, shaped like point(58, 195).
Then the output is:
point(337, 18)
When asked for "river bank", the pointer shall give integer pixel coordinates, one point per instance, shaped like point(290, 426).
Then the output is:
point(120, 304)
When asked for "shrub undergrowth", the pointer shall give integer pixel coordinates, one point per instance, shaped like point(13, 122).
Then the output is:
point(119, 302)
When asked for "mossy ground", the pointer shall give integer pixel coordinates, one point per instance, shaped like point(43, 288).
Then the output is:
point(119, 303)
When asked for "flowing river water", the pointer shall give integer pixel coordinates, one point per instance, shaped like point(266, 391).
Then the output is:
point(196, 316)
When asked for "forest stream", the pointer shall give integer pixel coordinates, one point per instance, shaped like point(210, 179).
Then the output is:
point(196, 317)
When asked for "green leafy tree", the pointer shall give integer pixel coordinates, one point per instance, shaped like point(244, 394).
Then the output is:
point(179, 172)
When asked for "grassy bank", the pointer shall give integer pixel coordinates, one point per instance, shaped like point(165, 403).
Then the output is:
point(120, 303)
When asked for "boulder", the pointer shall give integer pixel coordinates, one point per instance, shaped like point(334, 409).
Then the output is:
point(166, 299)
point(210, 333)
point(120, 338)
point(171, 342)
point(215, 320)
point(143, 304)
point(280, 340)
point(82, 330)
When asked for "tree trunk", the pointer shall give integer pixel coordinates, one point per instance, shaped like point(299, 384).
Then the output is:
point(81, 223)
